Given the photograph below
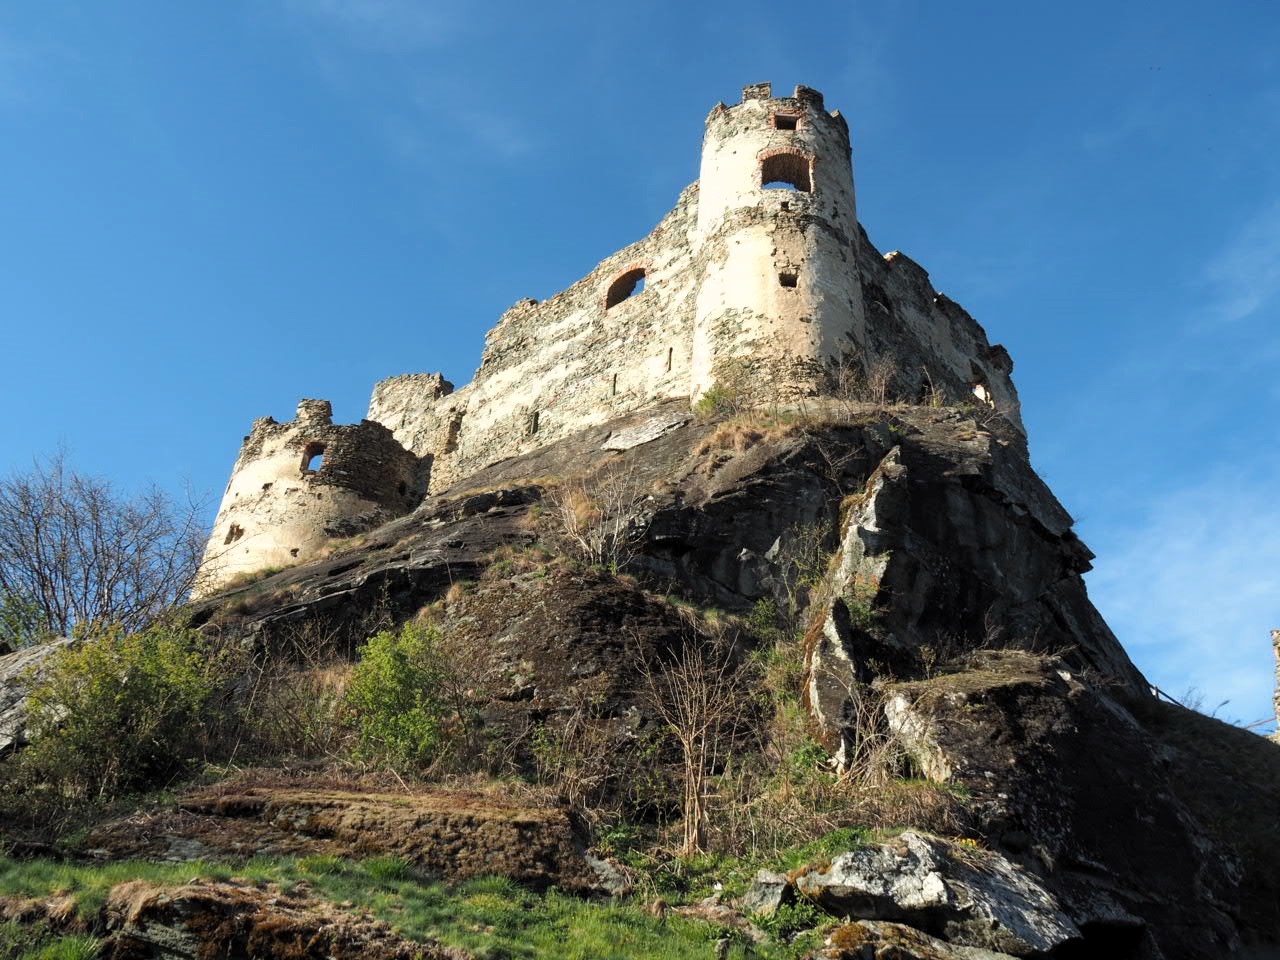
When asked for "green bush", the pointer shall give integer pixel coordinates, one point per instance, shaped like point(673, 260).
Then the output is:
point(404, 697)
point(119, 711)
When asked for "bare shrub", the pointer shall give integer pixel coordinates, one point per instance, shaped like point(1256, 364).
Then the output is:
point(802, 561)
point(78, 551)
point(732, 394)
point(882, 377)
point(871, 755)
point(575, 755)
point(598, 516)
point(703, 695)
point(933, 394)
point(852, 381)
point(295, 703)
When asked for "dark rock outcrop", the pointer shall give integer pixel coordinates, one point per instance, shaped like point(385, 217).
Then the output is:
point(230, 919)
point(454, 834)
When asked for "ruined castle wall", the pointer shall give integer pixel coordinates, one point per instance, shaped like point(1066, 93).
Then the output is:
point(297, 486)
point(552, 368)
point(739, 274)
point(931, 339)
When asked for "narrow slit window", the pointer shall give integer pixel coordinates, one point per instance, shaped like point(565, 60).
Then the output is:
point(312, 457)
point(787, 171)
point(670, 355)
point(787, 279)
point(451, 435)
point(613, 388)
point(533, 423)
point(625, 287)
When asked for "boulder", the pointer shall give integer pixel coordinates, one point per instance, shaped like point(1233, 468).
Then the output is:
point(880, 940)
point(767, 893)
point(967, 896)
point(16, 672)
point(1060, 774)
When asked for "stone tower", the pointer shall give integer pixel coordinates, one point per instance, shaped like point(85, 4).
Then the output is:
point(296, 486)
point(781, 283)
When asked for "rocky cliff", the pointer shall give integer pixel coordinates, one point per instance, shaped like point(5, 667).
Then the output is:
point(950, 599)
point(898, 573)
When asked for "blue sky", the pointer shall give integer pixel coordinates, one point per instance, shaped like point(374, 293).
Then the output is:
point(212, 210)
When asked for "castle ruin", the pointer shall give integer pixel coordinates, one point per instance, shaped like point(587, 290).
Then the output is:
point(761, 271)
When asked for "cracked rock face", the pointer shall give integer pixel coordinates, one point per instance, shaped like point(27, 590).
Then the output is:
point(1065, 777)
point(968, 897)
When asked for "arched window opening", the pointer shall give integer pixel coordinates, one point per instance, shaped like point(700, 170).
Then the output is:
point(626, 286)
point(312, 457)
point(787, 171)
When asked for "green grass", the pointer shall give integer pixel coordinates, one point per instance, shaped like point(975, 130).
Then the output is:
point(38, 942)
point(491, 918)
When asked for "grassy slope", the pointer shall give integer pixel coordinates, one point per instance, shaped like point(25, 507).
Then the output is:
point(490, 918)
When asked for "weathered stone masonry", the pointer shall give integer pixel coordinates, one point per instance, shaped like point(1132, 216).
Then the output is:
point(762, 263)
point(297, 486)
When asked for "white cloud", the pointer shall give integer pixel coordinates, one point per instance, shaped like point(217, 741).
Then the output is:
point(1246, 275)
point(1193, 589)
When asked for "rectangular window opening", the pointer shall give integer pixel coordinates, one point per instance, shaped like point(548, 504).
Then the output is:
point(785, 121)
point(787, 279)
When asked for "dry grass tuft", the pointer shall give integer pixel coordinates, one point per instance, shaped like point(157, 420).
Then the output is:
point(746, 430)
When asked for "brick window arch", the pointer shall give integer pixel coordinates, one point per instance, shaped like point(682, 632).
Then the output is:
point(787, 168)
point(626, 285)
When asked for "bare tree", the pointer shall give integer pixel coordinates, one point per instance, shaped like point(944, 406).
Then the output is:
point(703, 697)
point(74, 550)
